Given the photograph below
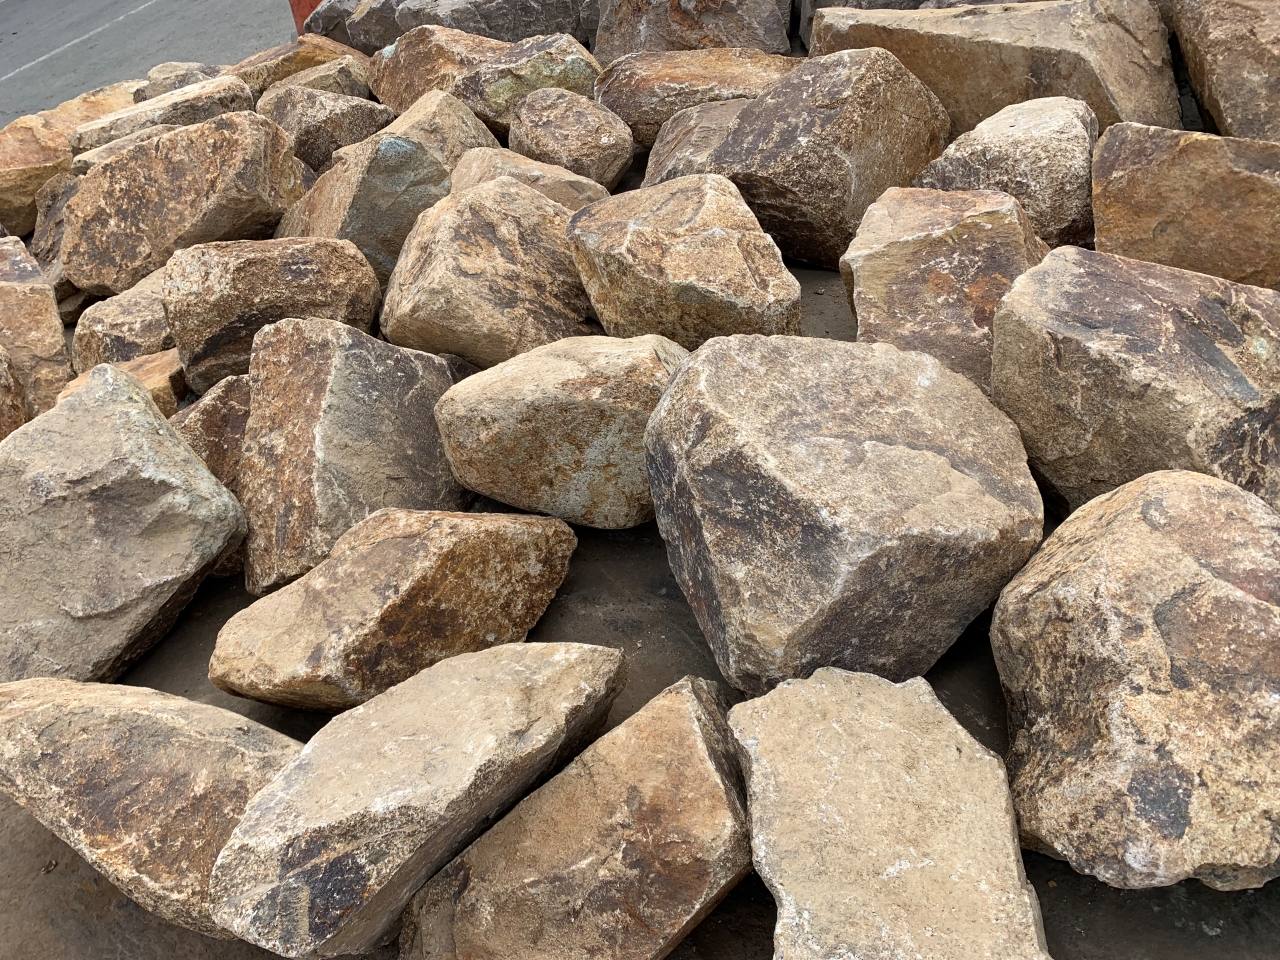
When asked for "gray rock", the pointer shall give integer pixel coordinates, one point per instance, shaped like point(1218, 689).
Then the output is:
point(321, 122)
point(330, 20)
point(173, 75)
point(685, 143)
point(13, 413)
point(632, 26)
point(46, 239)
point(372, 25)
point(805, 9)
point(129, 325)
point(508, 20)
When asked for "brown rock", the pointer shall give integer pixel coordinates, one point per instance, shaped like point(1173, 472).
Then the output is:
point(571, 131)
point(30, 328)
point(271, 66)
point(173, 75)
point(347, 75)
point(482, 164)
point(84, 162)
point(46, 239)
point(631, 26)
point(1137, 652)
point(13, 412)
point(186, 105)
point(321, 122)
point(159, 373)
point(663, 788)
point(443, 123)
point(685, 142)
point(213, 427)
point(128, 325)
point(428, 58)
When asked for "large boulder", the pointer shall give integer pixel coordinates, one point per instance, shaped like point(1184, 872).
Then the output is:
point(348, 75)
point(213, 427)
point(482, 164)
point(159, 373)
point(425, 59)
point(129, 325)
point(443, 123)
point(372, 25)
point(685, 143)
point(13, 412)
point(321, 122)
point(805, 10)
point(30, 328)
point(882, 828)
point(84, 162)
point(145, 786)
point(508, 20)
point(329, 19)
point(174, 75)
point(632, 26)
point(1137, 654)
point(572, 131)
point(386, 794)
point(186, 105)
point(1113, 368)
point(268, 67)
point(110, 523)
point(686, 259)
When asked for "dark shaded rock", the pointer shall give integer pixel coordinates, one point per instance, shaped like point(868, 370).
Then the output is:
point(320, 122)
point(31, 329)
point(632, 26)
point(329, 19)
point(508, 20)
point(372, 25)
point(46, 240)
point(213, 427)
point(13, 413)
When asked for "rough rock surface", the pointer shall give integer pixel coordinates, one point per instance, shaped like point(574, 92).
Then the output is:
point(230, 178)
point(685, 142)
point(110, 523)
point(508, 20)
point(569, 130)
point(30, 328)
point(213, 427)
point(1039, 152)
point(1113, 368)
point(482, 164)
point(808, 492)
point(46, 240)
point(347, 75)
point(686, 259)
point(428, 58)
point(663, 788)
point(485, 275)
point(128, 325)
point(320, 121)
point(271, 66)
point(1137, 653)
point(13, 413)
point(217, 296)
point(84, 162)
point(1112, 54)
point(339, 427)
point(329, 19)
point(192, 104)
point(632, 26)
point(123, 774)
point(372, 25)
point(824, 142)
point(400, 591)
point(805, 10)
point(173, 75)
point(159, 373)
point(442, 122)
point(1190, 200)
point(928, 268)
point(882, 828)
point(387, 793)
point(560, 430)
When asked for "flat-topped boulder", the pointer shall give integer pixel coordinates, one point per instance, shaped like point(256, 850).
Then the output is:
point(185, 105)
point(263, 69)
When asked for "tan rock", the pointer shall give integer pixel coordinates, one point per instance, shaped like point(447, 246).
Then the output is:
point(186, 105)
point(881, 826)
point(46, 239)
point(13, 412)
point(230, 178)
point(648, 89)
point(482, 164)
point(271, 66)
point(400, 591)
point(428, 58)
point(1113, 368)
point(571, 131)
point(30, 328)
point(173, 75)
point(1137, 651)
point(320, 122)
point(805, 10)
point(348, 75)
point(1190, 200)
point(443, 123)
point(84, 162)
point(159, 373)
point(387, 793)
point(144, 785)
point(487, 274)
point(685, 142)
point(648, 25)
point(213, 427)
point(663, 787)
point(928, 268)
point(129, 325)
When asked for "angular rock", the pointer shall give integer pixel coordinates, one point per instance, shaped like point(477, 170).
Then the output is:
point(173, 75)
point(482, 164)
point(84, 162)
point(129, 325)
point(1113, 368)
point(372, 25)
point(809, 491)
point(13, 412)
point(560, 430)
point(632, 26)
point(30, 328)
point(387, 793)
point(487, 274)
point(428, 58)
point(1039, 152)
point(443, 123)
point(824, 142)
point(339, 428)
point(214, 426)
point(347, 75)
point(74, 304)
point(1136, 650)
point(881, 826)
point(320, 122)
point(46, 239)
point(111, 522)
point(230, 178)
point(1112, 54)
point(663, 787)
point(186, 105)
point(271, 66)
point(508, 20)
point(1190, 200)
point(805, 9)
point(399, 592)
point(685, 142)
point(571, 131)
point(159, 373)
point(928, 268)
point(329, 19)
point(145, 786)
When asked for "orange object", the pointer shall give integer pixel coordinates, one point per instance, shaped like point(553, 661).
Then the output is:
point(301, 10)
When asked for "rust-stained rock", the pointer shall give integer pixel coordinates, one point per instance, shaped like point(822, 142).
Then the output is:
point(428, 58)
point(229, 178)
point(339, 427)
point(810, 492)
point(159, 373)
point(1113, 368)
point(1137, 654)
point(320, 122)
point(508, 20)
point(1039, 152)
point(388, 792)
point(882, 828)
point(1190, 200)
point(632, 26)
point(685, 142)
point(399, 592)
point(1112, 54)
point(128, 325)
point(13, 412)
point(186, 105)
point(173, 75)
point(663, 787)
point(347, 75)
point(145, 786)
point(648, 89)
point(84, 162)
point(213, 427)
point(928, 268)
point(372, 25)
point(443, 123)
point(110, 523)
point(482, 164)
point(30, 328)
point(487, 274)
point(686, 259)
point(271, 66)
point(824, 142)
point(569, 130)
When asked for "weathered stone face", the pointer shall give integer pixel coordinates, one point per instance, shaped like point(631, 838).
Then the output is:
point(30, 328)
point(159, 373)
point(880, 826)
point(320, 122)
point(1039, 152)
point(663, 787)
point(372, 25)
point(648, 89)
point(1113, 368)
point(186, 105)
point(1112, 54)
point(501, 19)
point(173, 75)
point(805, 10)
point(347, 75)
point(339, 427)
point(443, 123)
point(685, 142)
point(1137, 654)
point(111, 522)
point(560, 429)
point(329, 19)
point(928, 268)
point(13, 413)
point(572, 131)
point(686, 259)
point(824, 142)
point(46, 239)
point(808, 491)
point(1190, 200)
point(487, 274)
point(213, 427)
point(387, 793)
point(129, 325)
point(145, 786)
point(482, 164)
point(271, 66)
point(428, 58)
point(84, 162)
point(400, 591)
point(632, 26)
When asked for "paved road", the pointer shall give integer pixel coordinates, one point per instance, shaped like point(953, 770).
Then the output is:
point(52, 50)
